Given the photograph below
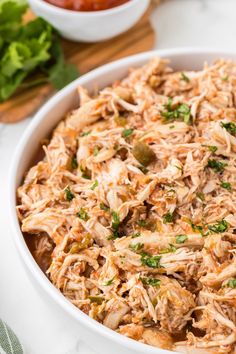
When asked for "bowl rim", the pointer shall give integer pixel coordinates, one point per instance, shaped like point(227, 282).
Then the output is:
point(16, 233)
point(73, 13)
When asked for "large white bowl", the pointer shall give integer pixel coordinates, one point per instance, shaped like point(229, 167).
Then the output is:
point(98, 336)
point(92, 26)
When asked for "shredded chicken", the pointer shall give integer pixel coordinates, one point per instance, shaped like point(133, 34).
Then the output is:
point(132, 210)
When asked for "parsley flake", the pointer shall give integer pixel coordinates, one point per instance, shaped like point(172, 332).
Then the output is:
point(211, 148)
point(115, 226)
point(94, 185)
point(109, 282)
point(226, 185)
point(168, 218)
point(217, 166)
point(137, 234)
point(116, 220)
point(74, 163)
point(170, 249)
point(151, 281)
point(225, 78)
point(200, 196)
point(150, 261)
point(82, 214)
point(102, 206)
point(85, 133)
point(127, 132)
point(219, 227)
point(230, 127)
point(232, 283)
point(96, 150)
point(69, 194)
point(184, 77)
point(136, 247)
point(181, 238)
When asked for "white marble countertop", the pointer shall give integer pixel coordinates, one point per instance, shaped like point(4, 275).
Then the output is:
point(42, 330)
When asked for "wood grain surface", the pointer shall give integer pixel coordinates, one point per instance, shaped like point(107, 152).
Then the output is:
point(86, 57)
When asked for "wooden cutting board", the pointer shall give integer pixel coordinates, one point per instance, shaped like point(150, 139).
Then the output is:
point(86, 57)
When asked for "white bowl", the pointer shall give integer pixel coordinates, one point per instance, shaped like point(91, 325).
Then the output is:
point(92, 26)
point(98, 336)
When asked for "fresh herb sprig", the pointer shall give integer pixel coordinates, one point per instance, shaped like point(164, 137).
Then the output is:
point(25, 48)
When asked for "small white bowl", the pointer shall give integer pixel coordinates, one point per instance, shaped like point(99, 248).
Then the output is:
point(91, 26)
point(99, 337)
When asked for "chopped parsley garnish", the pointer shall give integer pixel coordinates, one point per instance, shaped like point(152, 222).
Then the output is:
point(180, 112)
point(199, 228)
point(137, 234)
point(232, 283)
point(114, 235)
point(109, 282)
point(142, 223)
point(225, 78)
point(74, 163)
point(217, 166)
point(150, 261)
point(230, 127)
point(211, 148)
point(181, 238)
point(136, 247)
point(94, 185)
point(150, 281)
point(127, 132)
point(96, 150)
point(115, 226)
point(116, 220)
point(85, 133)
point(184, 77)
point(168, 218)
point(82, 214)
point(220, 226)
point(102, 206)
point(226, 185)
point(69, 194)
point(170, 249)
point(200, 196)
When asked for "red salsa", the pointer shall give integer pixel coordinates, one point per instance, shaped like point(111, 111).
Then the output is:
point(87, 5)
